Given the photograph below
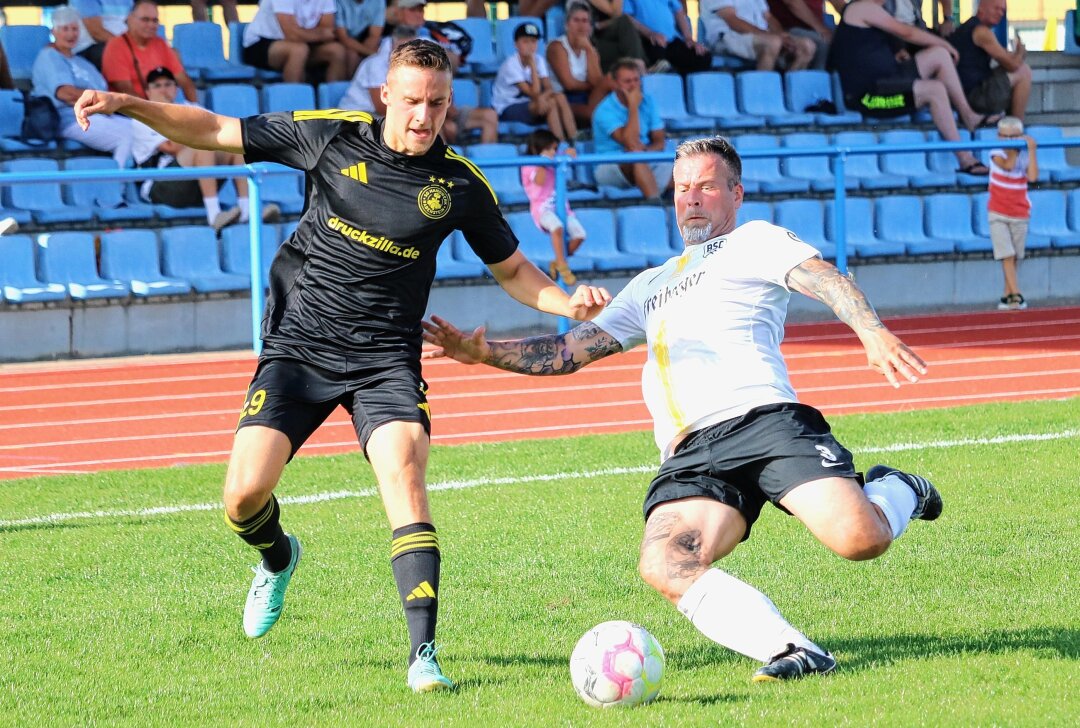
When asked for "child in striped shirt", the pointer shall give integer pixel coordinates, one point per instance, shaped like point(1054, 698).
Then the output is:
point(1009, 208)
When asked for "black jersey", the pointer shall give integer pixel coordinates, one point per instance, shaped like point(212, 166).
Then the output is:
point(354, 278)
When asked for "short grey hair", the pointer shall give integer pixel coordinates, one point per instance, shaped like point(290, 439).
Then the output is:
point(717, 146)
point(1010, 125)
point(65, 15)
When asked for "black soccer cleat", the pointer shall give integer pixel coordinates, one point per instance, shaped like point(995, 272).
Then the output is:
point(928, 499)
point(793, 663)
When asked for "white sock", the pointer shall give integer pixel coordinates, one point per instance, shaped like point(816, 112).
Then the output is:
point(736, 615)
point(213, 208)
point(896, 500)
point(245, 208)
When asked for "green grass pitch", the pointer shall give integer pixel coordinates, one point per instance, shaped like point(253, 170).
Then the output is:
point(120, 617)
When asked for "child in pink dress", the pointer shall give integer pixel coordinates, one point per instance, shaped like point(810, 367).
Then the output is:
point(539, 184)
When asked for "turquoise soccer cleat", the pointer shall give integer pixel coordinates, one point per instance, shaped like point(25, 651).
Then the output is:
point(266, 598)
point(425, 675)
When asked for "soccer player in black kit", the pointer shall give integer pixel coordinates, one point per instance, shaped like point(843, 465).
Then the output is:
point(342, 326)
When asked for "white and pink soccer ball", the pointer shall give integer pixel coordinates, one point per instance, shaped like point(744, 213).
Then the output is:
point(617, 664)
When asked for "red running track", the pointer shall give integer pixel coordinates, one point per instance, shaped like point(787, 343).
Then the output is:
point(140, 412)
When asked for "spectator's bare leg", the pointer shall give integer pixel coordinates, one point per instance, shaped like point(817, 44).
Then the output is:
point(566, 117)
point(574, 245)
point(290, 58)
point(1021, 90)
point(642, 177)
point(198, 11)
point(1008, 267)
point(475, 9)
point(803, 50)
point(767, 47)
point(934, 95)
point(936, 63)
point(333, 56)
point(226, 159)
point(487, 121)
point(545, 106)
point(557, 247)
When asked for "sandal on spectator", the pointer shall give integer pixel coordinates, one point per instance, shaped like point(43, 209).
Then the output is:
point(976, 168)
point(987, 121)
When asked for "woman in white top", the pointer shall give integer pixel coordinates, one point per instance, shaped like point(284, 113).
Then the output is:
point(575, 64)
point(291, 35)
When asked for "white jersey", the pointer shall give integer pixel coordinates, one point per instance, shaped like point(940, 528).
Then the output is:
point(713, 319)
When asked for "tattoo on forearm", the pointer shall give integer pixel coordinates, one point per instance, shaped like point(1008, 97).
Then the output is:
point(553, 354)
point(823, 281)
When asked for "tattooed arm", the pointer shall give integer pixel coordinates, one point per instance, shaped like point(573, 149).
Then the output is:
point(540, 355)
point(884, 351)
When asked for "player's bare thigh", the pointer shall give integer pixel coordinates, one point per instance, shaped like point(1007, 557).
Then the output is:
point(398, 452)
point(259, 455)
point(839, 515)
point(683, 538)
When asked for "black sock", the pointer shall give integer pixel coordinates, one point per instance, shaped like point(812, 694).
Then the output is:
point(415, 558)
point(263, 531)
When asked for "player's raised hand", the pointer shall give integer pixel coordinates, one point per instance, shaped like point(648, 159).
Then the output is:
point(449, 341)
point(588, 301)
point(95, 102)
point(892, 357)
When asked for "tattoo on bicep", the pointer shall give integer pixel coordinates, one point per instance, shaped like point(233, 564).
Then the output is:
point(554, 354)
point(823, 281)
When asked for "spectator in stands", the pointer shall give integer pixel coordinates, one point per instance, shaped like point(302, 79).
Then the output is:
point(615, 34)
point(153, 151)
point(1005, 86)
point(876, 84)
point(628, 120)
point(806, 19)
point(1009, 207)
point(101, 22)
point(452, 37)
point(365, 89)
point(522, 91)
point(359, 27)
point(199, 11)
point(909, 12)
point(476, 9)
point(539, 184)
point(6, 81)
point(667, 37)
point(129, 56)
point(746, 29)
point(575, 64)
point(292, 36)
point(62, 75)
point(535, 8)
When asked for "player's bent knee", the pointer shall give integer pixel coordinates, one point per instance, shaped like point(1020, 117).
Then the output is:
point(864, 546)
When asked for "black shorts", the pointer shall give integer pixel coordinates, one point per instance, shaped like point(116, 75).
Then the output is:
point(746, 461)
point(993, 94)
point(294, 397)
point(892, 96)
point(258, 54)
point(177, 192)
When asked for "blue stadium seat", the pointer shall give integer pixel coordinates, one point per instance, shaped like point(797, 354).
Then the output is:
point(980, 218)
point(466, 93)
point(11, 119)
point(1074, 210)
point(600, 244)
point(201, 49)
point(864, 167)
point(446, 266)
point(132, 256)
point(287, 97)
point(504, 36)
point(948, 217)
point(286, 190)
point(18, 278)
point(482, 59)
point(754, 211)
point(1072, 47)
point(70, 259)
point(191, 253)
point(813, 169)
point(42, 200)
point(1053, 164)
point(807, 88)
point(643, 231)
point(535, 244)
point(1049, 218)
point(911, 164)
point(806, 218)
point(236, 39)
point(711, 94)
point(234, 99)
point(554, 21)
point(21, 45)
point(900, 220)
point(329, 93)
point(22, 217)
point(939, 161)
point(859, 227)
point(761, 93)
point(506, 181)
point(105, 198)
point(236, 247)
point(667, 90)
point(765, 171)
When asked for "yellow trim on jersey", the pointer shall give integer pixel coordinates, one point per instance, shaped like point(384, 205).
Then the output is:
point(451, 154)
point(361, 117)
point(663, 365)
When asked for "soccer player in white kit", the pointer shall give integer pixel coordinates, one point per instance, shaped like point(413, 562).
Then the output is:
point(730, 430)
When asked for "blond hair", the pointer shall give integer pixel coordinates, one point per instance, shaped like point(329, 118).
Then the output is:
point(1010, 125)
point(420, 53)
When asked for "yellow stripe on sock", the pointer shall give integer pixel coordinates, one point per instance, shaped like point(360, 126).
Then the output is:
point(414, 546)
point(258, 522)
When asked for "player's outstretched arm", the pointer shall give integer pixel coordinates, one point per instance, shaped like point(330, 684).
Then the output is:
point(540, 355)
point(884, 351)
point(188, 125)
point(520, 277)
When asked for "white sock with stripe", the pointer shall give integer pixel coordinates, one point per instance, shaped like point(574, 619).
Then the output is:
point(896, 500)
point(734, 614)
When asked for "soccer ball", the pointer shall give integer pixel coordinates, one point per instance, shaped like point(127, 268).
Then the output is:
point(617, 664)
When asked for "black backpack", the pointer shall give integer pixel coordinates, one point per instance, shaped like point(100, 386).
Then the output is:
point(41, 121)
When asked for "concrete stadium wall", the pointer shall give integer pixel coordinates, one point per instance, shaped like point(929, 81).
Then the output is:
point(36, 332)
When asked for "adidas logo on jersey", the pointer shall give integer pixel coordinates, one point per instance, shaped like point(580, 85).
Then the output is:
point(357, 172)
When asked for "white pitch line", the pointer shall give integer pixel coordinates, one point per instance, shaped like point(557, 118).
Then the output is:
point(516, 480)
